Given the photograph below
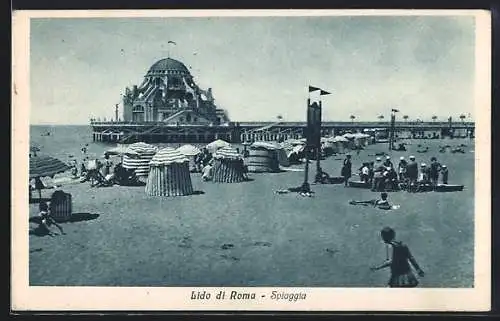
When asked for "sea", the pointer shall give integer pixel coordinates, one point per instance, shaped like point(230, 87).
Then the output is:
point(65, 142)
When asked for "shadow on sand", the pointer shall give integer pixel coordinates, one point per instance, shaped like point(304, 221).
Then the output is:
point(39, 200)
point(75, 217)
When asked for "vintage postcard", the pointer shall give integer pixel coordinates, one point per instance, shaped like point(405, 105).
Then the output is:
point(305, 160)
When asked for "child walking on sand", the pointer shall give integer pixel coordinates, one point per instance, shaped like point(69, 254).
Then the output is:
point(401, 273)
point(47, 219)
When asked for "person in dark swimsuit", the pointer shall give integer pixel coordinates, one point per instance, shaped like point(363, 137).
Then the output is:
point(346, 171)
point(401, 273)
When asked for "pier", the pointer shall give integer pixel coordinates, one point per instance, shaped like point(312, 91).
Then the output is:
point(238, 132)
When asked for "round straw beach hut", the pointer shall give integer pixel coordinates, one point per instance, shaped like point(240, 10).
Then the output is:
point(266, 157)
point(190, 152)
point(228, 166)
point(169, 174)
point(138, 156)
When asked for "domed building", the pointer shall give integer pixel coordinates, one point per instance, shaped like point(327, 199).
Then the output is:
point(169, 94)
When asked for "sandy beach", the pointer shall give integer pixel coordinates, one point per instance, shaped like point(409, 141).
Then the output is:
point(247, 235)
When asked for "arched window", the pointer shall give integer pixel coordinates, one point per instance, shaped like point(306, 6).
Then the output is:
point(138, 109)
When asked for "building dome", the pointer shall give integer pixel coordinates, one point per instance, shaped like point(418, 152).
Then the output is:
point(168, 66)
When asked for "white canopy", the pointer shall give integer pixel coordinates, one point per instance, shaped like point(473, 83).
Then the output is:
point(215, 145)
point(267, 145)
point(189, 150)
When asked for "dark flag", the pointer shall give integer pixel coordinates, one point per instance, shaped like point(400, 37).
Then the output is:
point(172, 42)
point(323, 93)
point(313, 126)
point(395, 110)
point(311, 88)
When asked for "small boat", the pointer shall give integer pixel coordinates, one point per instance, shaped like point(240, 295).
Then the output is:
point(448, 188)
point(359, 184)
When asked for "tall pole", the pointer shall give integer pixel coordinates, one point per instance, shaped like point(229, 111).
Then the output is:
point(318, 147)
point(116, 112)
point(305, 185)
point(391, 133)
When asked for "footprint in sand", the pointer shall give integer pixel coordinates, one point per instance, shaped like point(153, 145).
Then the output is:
point(260, 243)
point(227, 246)
point(331, 251)
point(228, 257)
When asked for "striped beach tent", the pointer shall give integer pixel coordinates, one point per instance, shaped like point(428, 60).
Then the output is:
point(228, 166)
point(137, 157)
point(190, 152)
point(169, 174)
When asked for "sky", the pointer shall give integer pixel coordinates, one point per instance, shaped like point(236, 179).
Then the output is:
point(259, 67)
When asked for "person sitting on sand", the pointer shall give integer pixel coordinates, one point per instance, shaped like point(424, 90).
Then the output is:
point(382, 203)
point(47, 219)
point(207, 172)
point(322, 177)
point(399, 263)
point(364, 173)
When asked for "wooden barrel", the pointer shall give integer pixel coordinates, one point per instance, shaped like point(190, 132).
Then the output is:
point(262, 160)
point(61, 206)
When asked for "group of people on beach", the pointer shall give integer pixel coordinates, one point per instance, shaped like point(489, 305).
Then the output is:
point(383, 175)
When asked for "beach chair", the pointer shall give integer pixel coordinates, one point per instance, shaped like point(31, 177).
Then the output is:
point(61, 206)
point(97, 179)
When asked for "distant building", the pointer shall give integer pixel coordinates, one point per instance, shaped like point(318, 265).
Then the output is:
point(169, 94)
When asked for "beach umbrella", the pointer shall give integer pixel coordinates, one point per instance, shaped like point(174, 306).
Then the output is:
point(228, 166)
point(294, 142)
point(215, 145)
point(43, 166)
point(121, 150)
point(34, 149)
point(267, 145)
point(169, 174)
point(189, 150)
point(340, 139)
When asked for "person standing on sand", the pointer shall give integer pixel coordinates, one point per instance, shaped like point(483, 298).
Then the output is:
point(346, 171)
point(412, 172)
point(401, 272)
point(434, 170)
point(402, 168)
point(444, 174)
